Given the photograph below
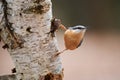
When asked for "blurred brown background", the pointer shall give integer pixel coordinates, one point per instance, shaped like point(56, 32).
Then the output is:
point(98, 58)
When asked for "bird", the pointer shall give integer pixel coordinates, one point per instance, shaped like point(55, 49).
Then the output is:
point(73, 37)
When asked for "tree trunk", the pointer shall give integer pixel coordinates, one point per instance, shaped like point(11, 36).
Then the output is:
point(24, 25)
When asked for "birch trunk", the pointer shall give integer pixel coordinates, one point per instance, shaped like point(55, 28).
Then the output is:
point(23, 28)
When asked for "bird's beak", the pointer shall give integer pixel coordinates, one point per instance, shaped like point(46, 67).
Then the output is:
point(63, 27)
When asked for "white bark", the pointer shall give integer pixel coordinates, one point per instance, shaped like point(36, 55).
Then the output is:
point(33, 58)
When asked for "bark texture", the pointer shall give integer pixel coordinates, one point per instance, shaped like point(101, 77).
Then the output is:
point(23, 28)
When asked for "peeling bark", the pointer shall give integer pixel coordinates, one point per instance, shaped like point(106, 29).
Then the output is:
point(24, 25)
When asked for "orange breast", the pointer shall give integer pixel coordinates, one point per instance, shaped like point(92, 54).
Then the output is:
point(72, 39)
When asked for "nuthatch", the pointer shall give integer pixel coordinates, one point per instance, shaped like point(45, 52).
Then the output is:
point(73, 37)
point(55, 24)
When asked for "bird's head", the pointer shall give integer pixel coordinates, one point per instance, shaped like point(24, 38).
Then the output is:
point(78, 29)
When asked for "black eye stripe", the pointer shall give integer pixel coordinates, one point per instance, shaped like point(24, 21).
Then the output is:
point(78, 28)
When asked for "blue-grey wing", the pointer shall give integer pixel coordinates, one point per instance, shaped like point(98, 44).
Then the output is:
point(80, 43)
